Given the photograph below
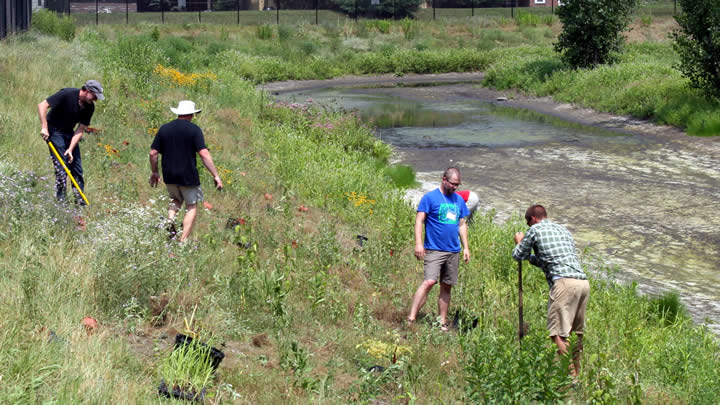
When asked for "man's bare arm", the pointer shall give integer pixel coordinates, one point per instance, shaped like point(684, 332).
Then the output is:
point(42, 114)
point(464, 240)
point(208, 162)
point(419, 245)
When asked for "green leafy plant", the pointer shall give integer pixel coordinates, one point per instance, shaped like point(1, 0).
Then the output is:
point(667, 307)
point(47, 22)
point(646, 20)
point(698, 44)
point(592, 30)
point(501, 371)
point(264, 31)
point(402, 175)
point(409, 28)
point(155, 34)
point(284, 32)
point(383, 26)
point(66, 28)
point(527, 19)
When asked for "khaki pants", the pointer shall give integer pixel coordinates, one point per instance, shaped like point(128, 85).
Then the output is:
point(566, 307)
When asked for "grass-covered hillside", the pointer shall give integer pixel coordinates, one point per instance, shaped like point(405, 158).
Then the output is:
point(300, 309)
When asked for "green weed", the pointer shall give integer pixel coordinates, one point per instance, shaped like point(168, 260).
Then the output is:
point(264, 32)
point(408, 28)
point(667, 307)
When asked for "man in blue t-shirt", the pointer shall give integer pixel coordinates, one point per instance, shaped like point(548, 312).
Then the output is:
point(178, 142)
point(70, 111)
point(443, 212)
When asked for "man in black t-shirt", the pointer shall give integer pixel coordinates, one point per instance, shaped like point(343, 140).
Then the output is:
point(178, 141)
point(68, 107)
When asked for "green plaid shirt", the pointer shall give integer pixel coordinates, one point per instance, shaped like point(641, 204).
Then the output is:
point(554, 251)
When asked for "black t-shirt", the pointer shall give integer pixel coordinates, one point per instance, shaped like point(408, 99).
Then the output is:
point(178, 141)
point(66, 112)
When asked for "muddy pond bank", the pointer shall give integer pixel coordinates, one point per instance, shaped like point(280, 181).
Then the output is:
point(641, 196)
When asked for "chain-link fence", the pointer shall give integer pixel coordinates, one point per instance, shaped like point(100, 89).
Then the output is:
point(247, 12)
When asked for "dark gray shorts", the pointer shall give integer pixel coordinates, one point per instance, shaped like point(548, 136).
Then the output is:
point(188, 194)
point(441, 266)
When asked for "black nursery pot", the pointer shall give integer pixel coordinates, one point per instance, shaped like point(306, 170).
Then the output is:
point(179, 393)
point(216, 356)
point(464, 321)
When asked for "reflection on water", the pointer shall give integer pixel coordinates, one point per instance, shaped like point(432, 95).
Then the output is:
point(467, 123)
point(646, 203)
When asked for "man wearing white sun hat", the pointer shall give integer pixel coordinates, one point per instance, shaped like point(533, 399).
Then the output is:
point(178, 141)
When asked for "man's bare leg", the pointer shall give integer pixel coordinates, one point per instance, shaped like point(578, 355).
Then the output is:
point(173, 210)
point(419, 298)
point(444, 302)
point(188, 221)
point(577, 353)
point(563, 345)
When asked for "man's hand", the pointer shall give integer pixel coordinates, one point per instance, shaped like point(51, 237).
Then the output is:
point(154, 179)
point(218, 183)
point(466, 255)
point(419, 252)
point(519, 237)
point(45, 134)
point(68, 154)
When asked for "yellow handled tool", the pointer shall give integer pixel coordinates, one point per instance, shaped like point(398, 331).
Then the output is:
point(62, 162)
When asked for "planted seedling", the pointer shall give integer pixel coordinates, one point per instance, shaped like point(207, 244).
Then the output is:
point(187, 372)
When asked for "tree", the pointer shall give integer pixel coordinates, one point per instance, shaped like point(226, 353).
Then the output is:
point(698, 44)
point(379, 8)
point(592, 30)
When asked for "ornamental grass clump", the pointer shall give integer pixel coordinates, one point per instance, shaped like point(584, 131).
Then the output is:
point(188, 370)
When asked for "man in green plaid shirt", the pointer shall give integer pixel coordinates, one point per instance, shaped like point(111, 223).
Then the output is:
point(555, 254)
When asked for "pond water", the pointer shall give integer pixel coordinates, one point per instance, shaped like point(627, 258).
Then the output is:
point(646, 203)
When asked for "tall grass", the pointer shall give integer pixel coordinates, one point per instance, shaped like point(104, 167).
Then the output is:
point(275, 269)
point(643, 84)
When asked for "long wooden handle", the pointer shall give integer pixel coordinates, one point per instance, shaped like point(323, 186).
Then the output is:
point(521, 331)
point(62, 162)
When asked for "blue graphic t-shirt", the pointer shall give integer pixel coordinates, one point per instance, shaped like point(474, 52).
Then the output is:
point(443, 220)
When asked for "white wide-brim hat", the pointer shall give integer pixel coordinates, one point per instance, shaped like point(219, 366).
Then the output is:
point(185, 107)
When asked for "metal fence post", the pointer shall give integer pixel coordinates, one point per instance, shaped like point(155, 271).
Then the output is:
point(162, 11)
point(277, 12)
point(127, 12)
point(355, 11)
point(317, 5)
point(97, 12)
point(237, 6)
point(433, 5)
point(472, 13)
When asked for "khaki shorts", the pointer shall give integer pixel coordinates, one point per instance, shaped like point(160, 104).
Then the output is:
point(566, 306)
point(441, 266)
point(189, 194)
